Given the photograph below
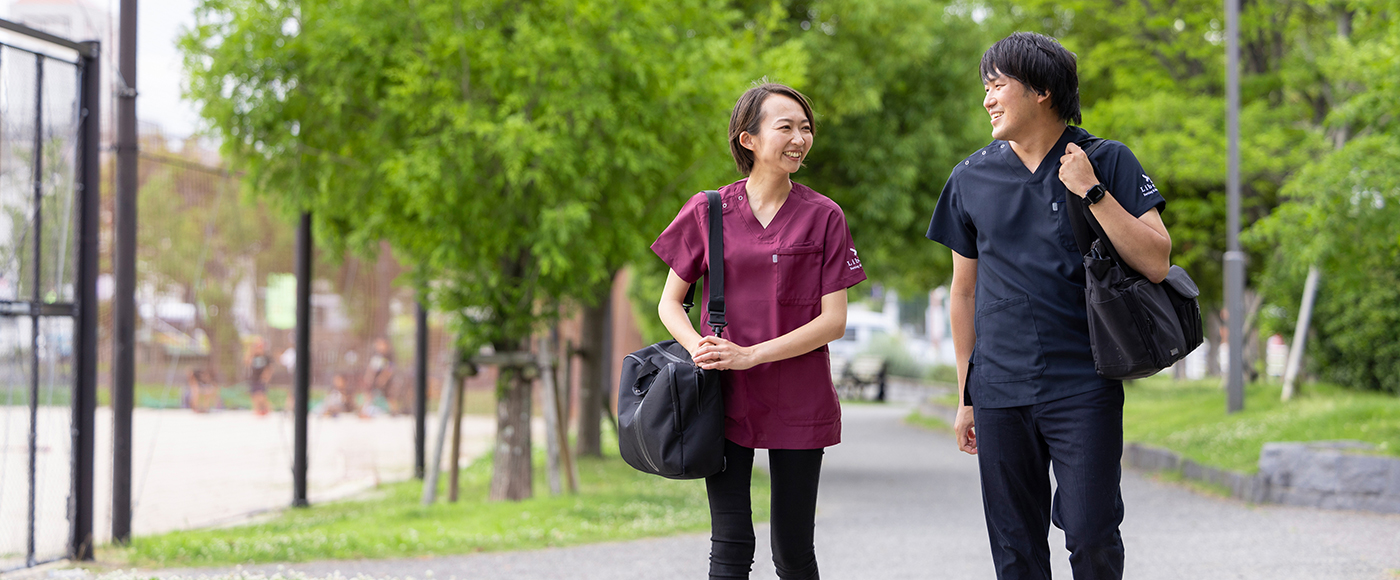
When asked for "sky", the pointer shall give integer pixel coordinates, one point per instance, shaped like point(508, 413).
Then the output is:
point(159, 71)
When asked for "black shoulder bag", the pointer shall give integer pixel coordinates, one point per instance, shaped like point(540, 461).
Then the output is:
point(1136, 327)
point(670, 418)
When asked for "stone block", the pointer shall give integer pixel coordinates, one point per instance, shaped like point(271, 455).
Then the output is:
point(1318, 472)
point(1363, 474)
point(1392, 486)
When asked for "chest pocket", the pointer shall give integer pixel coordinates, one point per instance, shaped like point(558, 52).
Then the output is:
point(799, 274)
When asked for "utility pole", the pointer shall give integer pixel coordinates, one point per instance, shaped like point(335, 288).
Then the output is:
point(1234, 258)
point(124, 279)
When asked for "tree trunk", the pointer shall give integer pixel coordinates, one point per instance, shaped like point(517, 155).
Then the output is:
point(591, 381)
point(512, 476)
point(1253, 348)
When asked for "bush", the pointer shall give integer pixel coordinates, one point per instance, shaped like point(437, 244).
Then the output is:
point(901, 363)
point(942, 374)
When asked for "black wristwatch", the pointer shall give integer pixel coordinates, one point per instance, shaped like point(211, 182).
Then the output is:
point(1094, 194)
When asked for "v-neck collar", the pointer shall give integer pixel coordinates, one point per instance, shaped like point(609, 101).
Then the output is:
point(780, 217)
point(1057, 150)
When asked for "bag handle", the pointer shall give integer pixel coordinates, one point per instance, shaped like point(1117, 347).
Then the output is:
point(1087, 230)
point(716, 273)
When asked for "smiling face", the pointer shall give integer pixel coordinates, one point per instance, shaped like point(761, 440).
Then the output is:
point(784, 136)
point(1013, 107)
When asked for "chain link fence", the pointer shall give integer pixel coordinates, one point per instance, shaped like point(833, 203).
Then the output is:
point(215, 355)
point(38, 209)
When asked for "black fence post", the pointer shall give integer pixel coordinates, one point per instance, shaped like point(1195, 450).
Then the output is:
point(302, 399)
point(124, 280)
point(85, 332)
point(38, 298)
point(420, 393)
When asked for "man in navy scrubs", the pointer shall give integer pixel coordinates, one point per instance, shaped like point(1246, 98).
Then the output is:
point(1031, 400)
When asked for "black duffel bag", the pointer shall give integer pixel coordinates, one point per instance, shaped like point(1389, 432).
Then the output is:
point(670, 413)
point(1136, 327)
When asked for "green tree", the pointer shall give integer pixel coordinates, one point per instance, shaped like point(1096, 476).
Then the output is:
point(900, 105)
point(1342, 213)
point(897, 98)
point(512, 153)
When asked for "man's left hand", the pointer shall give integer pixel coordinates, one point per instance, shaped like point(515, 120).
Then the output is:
point(1075, 170)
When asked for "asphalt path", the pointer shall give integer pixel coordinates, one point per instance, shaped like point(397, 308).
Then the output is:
point(899, 501)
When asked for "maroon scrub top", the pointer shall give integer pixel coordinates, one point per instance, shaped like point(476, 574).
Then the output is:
point(774, 280)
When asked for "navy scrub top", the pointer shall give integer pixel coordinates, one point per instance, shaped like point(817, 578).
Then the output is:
point(1032, 331)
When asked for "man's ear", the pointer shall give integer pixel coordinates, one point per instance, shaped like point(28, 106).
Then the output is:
point(1042, 97)
point(746, 140)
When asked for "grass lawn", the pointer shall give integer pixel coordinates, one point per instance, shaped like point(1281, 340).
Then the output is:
point(615, 503)
point(1189, 418)
point(928, 422)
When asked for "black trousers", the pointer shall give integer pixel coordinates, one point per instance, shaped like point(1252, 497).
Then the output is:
point(1081, 437)
point(795, 474)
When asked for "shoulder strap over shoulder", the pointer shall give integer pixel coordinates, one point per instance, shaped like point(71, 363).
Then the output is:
point(716, 273)
point(1086, 228)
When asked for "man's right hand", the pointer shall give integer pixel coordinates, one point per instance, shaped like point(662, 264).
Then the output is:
point(967, 433)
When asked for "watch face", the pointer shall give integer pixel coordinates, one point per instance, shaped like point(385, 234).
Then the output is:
point(1094, 194)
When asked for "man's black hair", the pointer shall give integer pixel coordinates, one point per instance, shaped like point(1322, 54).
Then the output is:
point(1040, 63)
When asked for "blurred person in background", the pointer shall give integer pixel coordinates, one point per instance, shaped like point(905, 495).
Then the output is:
point(259, 366)
point(380, 382)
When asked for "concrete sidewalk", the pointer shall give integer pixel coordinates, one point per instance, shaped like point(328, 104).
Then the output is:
point(900, 502)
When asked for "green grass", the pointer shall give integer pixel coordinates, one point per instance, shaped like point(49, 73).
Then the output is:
point(928, 422)
point(615, 503)
point(1189, 417)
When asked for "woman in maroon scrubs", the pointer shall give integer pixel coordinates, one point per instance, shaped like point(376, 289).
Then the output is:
point(788, 260)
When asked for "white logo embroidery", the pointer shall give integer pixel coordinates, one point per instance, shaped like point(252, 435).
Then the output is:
point(1147, 188)
point(854, 262)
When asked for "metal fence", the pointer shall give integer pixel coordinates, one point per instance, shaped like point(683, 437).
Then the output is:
point(47, 272)
point(215, 354)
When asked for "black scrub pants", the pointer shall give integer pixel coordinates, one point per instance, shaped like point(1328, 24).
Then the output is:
point(1081, 437)
point(795, 473)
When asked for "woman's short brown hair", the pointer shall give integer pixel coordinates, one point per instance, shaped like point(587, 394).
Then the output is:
point(748, 115)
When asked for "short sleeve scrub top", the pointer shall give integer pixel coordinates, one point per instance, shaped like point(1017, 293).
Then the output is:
point(774, 278)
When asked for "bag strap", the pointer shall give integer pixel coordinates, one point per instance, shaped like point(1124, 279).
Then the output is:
point(1087, 230)
point(716, 273)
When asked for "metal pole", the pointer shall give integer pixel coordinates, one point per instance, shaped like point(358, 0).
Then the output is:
point(420, 393)
point(38, 298)
point(124, 279)
point(1234, 258)
point(85, 343)
point(301, 406)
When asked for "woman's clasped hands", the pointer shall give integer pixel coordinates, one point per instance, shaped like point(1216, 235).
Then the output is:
point(714, 352)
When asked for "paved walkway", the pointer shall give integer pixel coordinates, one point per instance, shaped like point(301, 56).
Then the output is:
point(900, 502)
